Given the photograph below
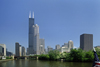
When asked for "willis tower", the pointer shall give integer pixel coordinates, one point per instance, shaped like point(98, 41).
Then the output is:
point(33, 47)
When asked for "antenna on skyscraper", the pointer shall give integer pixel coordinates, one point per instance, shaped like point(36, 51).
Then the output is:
point(30, 14)
point(33, 15)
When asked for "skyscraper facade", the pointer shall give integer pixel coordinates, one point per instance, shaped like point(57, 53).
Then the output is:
point(86, 42)
point(20, 50)
point(36, 39)
point(3, 49)
point(17, 49)
point(23, 51)
point(33, 37)
point(42, 46)
point(70, 44)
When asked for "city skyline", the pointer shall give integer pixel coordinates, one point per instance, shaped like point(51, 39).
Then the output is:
point(59, 21)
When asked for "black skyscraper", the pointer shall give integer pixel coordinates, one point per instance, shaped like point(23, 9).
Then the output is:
point(86, 42)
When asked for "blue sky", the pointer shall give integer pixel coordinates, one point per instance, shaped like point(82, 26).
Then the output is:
point(59, 21)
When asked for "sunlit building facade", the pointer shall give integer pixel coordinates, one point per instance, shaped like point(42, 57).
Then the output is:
point(36, 45)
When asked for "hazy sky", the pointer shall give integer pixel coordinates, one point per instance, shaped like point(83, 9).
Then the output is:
point(59, 21)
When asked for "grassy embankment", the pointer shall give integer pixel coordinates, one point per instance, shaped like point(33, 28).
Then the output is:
point(7, 59)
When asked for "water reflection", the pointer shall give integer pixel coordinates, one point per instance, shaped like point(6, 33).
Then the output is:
point(38, 63)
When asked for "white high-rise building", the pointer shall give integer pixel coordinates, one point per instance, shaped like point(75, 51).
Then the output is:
point(36, 39)
point(20, 50)
point(3, 49)
point(70, 44)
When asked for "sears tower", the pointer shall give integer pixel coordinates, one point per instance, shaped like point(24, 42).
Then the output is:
point(33, 47)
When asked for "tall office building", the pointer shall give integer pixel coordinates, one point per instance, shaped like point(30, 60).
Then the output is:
point(23, 51)
point(20, 50)
point(36, 39)
point(86, 42)
point(3, 49)
point(33, 37)
point(42, 46)
point(17, 49)
point(70, 44)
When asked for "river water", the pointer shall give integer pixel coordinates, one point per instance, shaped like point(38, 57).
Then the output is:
point(38, 63)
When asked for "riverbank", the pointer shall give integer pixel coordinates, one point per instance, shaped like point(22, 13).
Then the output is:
point(5, 60)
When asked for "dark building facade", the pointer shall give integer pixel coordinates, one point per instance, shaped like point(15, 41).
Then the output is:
point(86, 42)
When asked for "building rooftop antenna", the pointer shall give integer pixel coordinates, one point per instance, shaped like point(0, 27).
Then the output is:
point(30, 14)
point(33, 15)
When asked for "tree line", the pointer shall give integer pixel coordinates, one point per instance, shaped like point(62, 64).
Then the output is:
point(75, 55)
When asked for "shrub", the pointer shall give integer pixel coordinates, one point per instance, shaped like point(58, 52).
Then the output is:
point(54, 55)
point(8, 57)
point(44, 57)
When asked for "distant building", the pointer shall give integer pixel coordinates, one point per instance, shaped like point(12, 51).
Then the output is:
point(45, 51)
point(70, 44)
point(42, 46)
point(65, 45)
point(20, 50)
point(64, 49)
point(97, 47)
point(86, 42)
point(57, 46)
point(9, 53)
point(49, 48)
point(23, 51)
point(31, 46)
point(17, 49)
point(2, 49)
point(34, 41)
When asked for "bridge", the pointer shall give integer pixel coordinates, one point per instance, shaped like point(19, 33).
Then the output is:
point(25, 57)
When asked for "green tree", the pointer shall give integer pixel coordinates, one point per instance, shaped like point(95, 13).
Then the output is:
point(44, 57)
point(54, 54)
point(98, 52)
point(89, 56)
point(63, 55)
point(77, 55)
